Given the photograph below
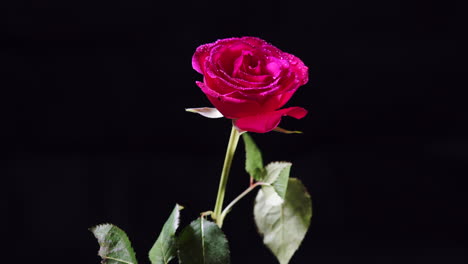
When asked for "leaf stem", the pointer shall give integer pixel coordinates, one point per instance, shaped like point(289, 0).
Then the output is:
point(231, 149)
point(237, 199)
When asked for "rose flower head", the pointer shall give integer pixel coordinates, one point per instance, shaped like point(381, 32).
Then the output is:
point(248, 80)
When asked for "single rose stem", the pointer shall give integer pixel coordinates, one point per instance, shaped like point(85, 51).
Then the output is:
point(231, 149)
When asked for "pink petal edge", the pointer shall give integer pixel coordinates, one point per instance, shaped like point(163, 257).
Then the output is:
point(266, 122)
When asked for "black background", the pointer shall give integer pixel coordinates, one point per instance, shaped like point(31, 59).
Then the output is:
point(93, 127)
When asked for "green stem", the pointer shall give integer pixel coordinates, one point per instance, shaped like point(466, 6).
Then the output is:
point(231, 149)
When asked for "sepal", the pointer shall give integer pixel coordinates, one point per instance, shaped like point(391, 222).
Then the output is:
point(285, 131)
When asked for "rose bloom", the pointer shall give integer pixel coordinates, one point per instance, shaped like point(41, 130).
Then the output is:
point(248, 80)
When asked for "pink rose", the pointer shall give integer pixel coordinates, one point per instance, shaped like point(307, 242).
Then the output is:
point(249, 80)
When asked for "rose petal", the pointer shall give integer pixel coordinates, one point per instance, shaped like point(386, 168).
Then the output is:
point(223, 83)
point(254, 41)
point(275, 66)
point(199, 57)
point(226, 55)
point(230, 107)
point(209, 112)
point(241, 60)
point(277, 101)
point(257, 80)
point(266, 122)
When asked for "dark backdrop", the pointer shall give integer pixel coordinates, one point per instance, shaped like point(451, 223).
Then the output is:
point(93, 127)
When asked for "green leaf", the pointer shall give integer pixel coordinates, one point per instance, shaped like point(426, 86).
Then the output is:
point(164, 249)
point(253, 158)
point(202, 242)
point(284, 226)
point(115, 247)
point(277, 174)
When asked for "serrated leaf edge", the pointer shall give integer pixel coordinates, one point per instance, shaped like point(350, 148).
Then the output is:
point(125, 237)
point(308, 196)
